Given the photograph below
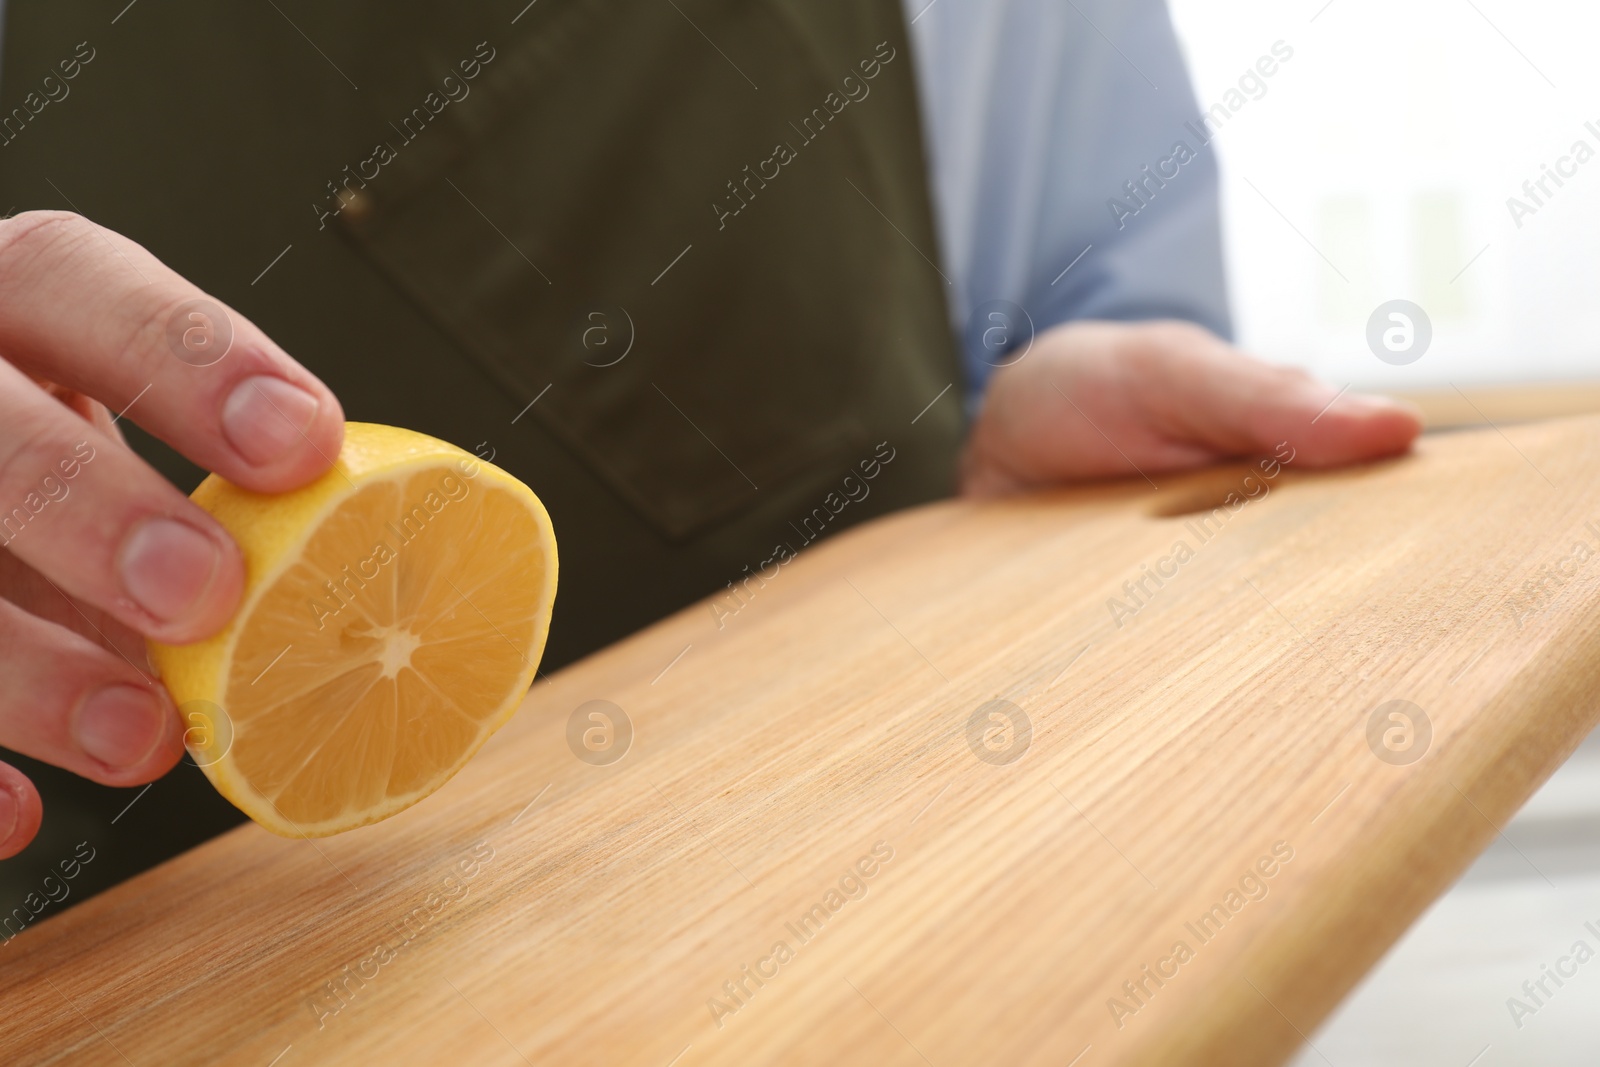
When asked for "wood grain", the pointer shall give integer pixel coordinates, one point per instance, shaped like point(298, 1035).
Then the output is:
point(1498, 404)
point(581, 914)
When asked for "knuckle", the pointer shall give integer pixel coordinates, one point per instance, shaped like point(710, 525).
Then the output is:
point(71, 246)
point(1149, 353)
point(143, 331)
point(29, 450)
point(1285, 378)
point(26, 237)
point(1176, 335)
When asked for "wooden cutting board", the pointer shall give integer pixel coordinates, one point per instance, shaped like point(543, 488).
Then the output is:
point(1498, 405)
point(824, 844)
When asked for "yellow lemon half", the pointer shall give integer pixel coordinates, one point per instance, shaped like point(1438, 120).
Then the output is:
point(393, 616)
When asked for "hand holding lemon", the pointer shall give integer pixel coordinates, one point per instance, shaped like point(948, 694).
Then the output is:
point(378, 689)
point(393, 616)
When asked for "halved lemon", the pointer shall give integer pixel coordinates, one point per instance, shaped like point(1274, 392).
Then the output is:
point(393, 616)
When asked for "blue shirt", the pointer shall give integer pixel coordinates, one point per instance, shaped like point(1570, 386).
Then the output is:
point(1041, 117)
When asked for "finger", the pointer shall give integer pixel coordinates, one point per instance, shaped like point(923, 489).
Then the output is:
point(1214, 396)
point(93, 311)
point(73, 704)
point(86, 408)
point(38, 596)
point(20, 811)
point(102, 526)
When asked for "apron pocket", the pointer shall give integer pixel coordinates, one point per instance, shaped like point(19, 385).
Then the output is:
point(675, 265)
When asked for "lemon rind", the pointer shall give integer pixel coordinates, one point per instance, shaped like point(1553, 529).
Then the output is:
point(201, 670)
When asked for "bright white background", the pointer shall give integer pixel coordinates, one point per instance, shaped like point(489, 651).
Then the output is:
point(1391, 142)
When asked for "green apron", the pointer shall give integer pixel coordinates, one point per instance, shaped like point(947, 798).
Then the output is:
point(671, 262)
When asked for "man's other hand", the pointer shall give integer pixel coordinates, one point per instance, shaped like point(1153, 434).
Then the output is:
point(1105, 399)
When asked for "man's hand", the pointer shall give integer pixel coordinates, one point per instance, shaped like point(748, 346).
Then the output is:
point(1104, 400)
point(99, 551)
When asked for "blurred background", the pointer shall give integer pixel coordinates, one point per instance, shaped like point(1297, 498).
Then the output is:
point(1377, 166)
point(1391, 143)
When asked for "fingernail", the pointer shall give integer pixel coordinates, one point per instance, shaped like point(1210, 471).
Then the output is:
point(168, 567)
point(1367, 403)
point(1356, 405)
point(120, 725)
point(264, 417)
point(1372, 405)
point(9, 810)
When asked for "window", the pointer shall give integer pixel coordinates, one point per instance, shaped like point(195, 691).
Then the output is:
point(1445, 152)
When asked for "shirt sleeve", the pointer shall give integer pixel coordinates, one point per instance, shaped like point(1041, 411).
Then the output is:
point(1072, 174)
